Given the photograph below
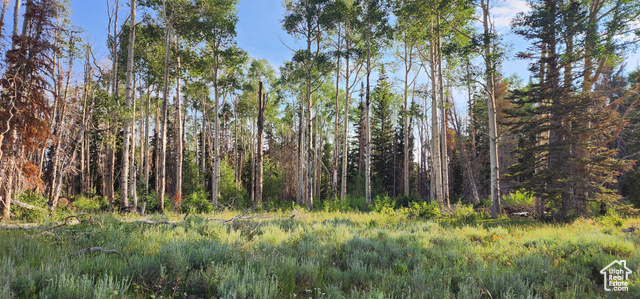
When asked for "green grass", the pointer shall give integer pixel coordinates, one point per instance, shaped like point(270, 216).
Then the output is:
point(318, 255)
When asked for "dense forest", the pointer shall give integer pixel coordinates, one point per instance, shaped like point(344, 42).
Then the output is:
point(381, 100)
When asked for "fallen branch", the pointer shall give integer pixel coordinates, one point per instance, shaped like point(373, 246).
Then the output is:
point(158, 222)
point(77, 221)
point(245, 217)
point(98, 249)
point(18, 226)
point(25, 205)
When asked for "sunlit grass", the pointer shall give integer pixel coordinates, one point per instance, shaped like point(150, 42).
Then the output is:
point(287, 254)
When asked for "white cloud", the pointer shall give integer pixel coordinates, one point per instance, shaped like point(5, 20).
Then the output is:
point(504, 12)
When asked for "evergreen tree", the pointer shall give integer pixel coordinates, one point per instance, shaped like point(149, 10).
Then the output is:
point(383, 103)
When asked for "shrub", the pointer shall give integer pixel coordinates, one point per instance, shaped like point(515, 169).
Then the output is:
point(230, 192)
point(611, 219)
point(93, 204)
point(429, 210)
point(197, 202)
point(33, 215)
point(518, 198)
point(407, 201)
point(381, 203)
point(465, 213)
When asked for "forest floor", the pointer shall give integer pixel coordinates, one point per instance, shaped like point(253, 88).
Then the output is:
point(313, 255)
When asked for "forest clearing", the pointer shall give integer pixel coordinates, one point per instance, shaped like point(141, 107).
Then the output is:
point(319, 149)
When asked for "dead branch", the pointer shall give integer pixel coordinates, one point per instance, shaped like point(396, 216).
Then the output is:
point(77, 221)
point(98, 249)
point(25, 205)
point(244, 217)
point(18, 226)
point(159, 222)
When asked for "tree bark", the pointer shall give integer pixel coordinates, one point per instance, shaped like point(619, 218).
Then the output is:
point(345, 132)
point(177, 199)
point(443, 123)
point(367, 120)
point(132, 147)
point(435, 131)
point(147, 150)
point(215, 180)
point(124, 191)
point(336, 146)
point(260, 125)
point(491, 105)
point(165, 94)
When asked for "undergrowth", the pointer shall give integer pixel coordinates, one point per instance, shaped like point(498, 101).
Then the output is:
point(394, 253)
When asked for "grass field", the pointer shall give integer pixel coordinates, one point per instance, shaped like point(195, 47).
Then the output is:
point(315, 255)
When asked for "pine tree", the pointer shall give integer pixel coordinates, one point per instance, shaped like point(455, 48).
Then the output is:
point(383, 103)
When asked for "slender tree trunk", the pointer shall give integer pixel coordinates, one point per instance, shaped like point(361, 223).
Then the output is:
point(253, 165)
point(236, 157)
point(491, 104)
point(345, 132)
point(114, 93)
point(260, 125)
point(165, 94)
point(124, 191)
point(301, 155)
point(405, 162)
point(443, 123)
point(16, 22)
point(156, 134)
point(5, 4)
point(132, 164)
point(177, 199)
point(435, 132)
point(147, 150)
point(309, 149)
point(367, 143)
point(216, 138)
point(204, 134)
point(336, 146)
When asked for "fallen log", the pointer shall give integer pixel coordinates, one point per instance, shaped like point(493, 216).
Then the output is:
point(158, 222)
point(98, 249)
point(25, 205)
point(18, 226)
point(74, 222)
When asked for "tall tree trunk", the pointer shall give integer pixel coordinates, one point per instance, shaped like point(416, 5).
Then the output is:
point(132, 149)
point(16, 22)
point(345, 131)
point(436, 173)
point(309, 148)
point(5, 4)
point(252, 149)
point(156, 136)
point(367, 143)
point(114, 93)
point(124, 191)
point(216, 137)
point(260, 124)
point(443, 123)
point(165, 94)
point(147, 150)
point(203, 158)
point(491, 105)
point(177, 199)
point(336, 146)
point(236, 157)
point(301, 154)
point(405, 108)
